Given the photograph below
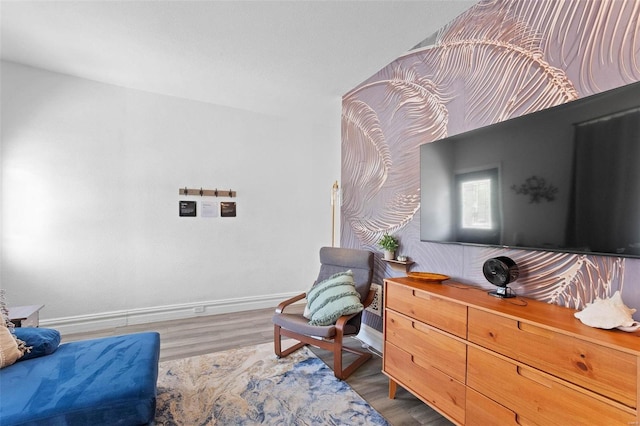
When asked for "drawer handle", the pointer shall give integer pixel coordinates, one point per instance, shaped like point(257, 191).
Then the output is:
point(523, 372)
point(532, 329)
point(421, 295)
point(422, 328)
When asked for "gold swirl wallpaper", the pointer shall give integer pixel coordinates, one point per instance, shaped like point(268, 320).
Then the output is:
point(498, 60)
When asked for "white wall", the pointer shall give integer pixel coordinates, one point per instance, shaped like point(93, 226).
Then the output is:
point(90, 179)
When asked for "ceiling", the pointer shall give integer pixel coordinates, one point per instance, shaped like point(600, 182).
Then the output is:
point(267, 56)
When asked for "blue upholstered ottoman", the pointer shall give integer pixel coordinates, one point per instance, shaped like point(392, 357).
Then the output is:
point(107, 381)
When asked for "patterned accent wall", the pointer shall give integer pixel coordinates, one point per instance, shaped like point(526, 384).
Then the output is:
point(499, 60)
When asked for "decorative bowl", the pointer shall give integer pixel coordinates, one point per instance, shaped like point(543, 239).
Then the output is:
point(428, 276)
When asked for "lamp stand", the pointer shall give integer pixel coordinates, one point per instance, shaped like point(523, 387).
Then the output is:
point(334, 200)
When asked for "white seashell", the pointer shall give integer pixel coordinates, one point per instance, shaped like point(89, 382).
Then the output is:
point(630, 329)
point(607, 313)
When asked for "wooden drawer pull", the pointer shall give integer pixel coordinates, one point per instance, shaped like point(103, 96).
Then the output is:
point(523, 372)
point(421, 295)
point(518, 420)
point(535, 330)
point(418, 326)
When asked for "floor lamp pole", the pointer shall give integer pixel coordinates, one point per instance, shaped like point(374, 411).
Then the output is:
point(334, 196)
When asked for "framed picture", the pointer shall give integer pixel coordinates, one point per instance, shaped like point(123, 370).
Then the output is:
point(209, 209)
point(228, 209)
point(187, 208)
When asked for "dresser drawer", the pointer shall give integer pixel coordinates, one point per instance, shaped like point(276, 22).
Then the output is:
point(423, 306)
point(604, 370)
point(538, 396)
point(482, 411)
point(430, 384)
point(428, 346)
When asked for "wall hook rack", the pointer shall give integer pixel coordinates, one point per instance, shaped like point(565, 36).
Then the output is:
point(207, 192)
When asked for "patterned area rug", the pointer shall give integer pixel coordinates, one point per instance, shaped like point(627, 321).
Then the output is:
point(249, 386)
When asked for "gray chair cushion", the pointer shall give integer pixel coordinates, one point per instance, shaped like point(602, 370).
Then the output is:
point(299, 324)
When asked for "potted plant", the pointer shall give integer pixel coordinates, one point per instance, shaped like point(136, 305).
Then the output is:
point(389, 244)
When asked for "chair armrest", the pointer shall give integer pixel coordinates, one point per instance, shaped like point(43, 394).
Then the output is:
point(288, 302)
point(369, 299)
point(342, 321)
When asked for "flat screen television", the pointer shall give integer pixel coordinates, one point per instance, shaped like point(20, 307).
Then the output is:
point(563, 179)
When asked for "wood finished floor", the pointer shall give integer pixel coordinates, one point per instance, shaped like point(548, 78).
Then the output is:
point(214, 333)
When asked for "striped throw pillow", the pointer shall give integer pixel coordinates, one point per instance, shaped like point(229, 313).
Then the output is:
point(328, 300)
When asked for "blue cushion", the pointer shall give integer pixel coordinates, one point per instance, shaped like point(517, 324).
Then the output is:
point(107, 381)
point(43, 341)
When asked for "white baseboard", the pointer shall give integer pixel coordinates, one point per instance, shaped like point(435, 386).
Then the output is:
point(371, 337)
point(105, 320)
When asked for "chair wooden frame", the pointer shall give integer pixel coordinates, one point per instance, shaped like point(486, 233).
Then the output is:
point(334, 344)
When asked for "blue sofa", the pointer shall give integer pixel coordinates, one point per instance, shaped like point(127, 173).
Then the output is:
point(107, 381)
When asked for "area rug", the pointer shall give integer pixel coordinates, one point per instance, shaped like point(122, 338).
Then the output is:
point(250, 386)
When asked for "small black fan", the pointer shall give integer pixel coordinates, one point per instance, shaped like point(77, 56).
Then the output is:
point(501, 271)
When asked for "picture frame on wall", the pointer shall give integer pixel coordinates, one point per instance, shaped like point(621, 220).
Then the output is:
point(188, 209)
point(209, 209)
point(228, 209)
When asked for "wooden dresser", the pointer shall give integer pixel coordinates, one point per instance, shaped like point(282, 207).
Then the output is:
point(481, 360)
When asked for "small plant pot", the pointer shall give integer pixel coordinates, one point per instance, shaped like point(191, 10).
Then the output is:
point(389, 255)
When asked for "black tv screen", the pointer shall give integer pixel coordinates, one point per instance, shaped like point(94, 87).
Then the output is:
point(563, 179)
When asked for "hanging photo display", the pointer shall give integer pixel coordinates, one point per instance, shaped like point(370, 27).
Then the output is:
point(228, 209)
point(209, 209)
point(187, 208)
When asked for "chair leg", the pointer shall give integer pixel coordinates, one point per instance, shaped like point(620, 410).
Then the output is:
point(361, 359)
point(335, 346)
point(337, 356)
point(338, 348)
point(277, 343)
